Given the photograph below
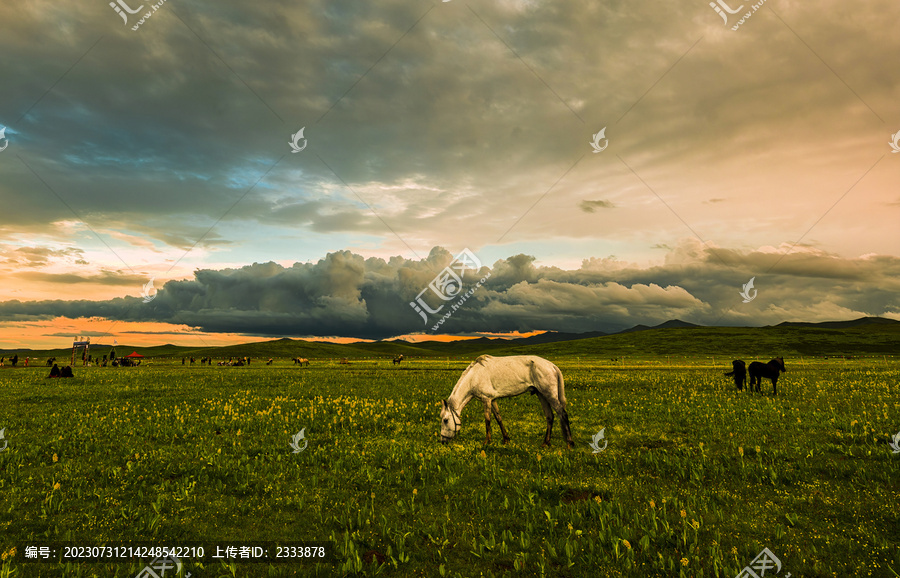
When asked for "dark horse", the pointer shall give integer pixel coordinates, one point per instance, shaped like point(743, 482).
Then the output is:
point(769, 370)
point(397, 360)
point(739, 371)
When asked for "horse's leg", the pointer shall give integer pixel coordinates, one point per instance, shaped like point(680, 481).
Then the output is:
point(487, 419)
point(496, 409)
point(563, 421)
point(548, 413)
point(775, 385)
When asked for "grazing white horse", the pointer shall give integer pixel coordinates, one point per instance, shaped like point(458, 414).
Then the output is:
point(490, 378)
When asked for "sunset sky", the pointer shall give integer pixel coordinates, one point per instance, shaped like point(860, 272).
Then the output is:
point(429, 128)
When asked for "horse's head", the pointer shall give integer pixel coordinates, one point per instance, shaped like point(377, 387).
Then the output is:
point(450, 422)
point(780, 361)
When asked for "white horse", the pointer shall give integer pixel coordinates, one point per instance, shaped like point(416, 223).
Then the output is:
point(490, 378)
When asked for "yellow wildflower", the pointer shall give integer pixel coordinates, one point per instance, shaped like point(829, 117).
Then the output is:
point(627, 544)
point(55, 458)
point(56, 486)
point(684, 561)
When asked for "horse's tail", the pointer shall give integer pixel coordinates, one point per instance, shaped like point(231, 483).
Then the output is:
point(560, 386)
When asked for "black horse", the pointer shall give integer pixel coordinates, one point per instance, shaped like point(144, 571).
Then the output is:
point(769, 370)
point(397, 360)
point(739, 371)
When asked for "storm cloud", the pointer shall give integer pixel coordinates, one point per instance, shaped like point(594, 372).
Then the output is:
point(347, 295)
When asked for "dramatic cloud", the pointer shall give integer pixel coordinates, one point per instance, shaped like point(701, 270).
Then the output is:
point(347, 295)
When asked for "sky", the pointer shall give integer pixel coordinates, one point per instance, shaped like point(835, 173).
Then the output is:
point(287, 169)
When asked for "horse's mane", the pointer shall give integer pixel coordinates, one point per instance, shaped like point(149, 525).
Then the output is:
point(478, 361)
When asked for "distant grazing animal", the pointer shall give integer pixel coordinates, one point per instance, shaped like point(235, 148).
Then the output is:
point(301, 361)
point(270, 362)
point(344, 361)
point(491, 378)
point(397, 360)
point(769, 370)
point(739, 371)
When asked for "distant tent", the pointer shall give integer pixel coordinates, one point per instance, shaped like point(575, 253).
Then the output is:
point(134, 354)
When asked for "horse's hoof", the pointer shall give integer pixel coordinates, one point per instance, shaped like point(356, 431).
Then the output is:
point(506, 440)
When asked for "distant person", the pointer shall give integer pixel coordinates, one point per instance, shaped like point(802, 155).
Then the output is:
point(15, 360)
point(182, 360)
point(67, 372)
point(54, 372)
point(26, 361)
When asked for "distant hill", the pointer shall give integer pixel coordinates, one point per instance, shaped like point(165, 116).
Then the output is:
point(841, 324)
point(552, 337)
point(734, 342)
point(670, 324)
point(865, 336)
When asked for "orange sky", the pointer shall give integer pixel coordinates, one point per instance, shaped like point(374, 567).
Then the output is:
point(60, 333)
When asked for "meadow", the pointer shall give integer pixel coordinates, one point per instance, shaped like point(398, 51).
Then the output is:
point(695, 481)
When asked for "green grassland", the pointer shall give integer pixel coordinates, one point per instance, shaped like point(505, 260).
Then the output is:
point(696, 478)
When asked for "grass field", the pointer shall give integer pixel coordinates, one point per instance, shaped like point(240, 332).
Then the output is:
point(695, 481)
